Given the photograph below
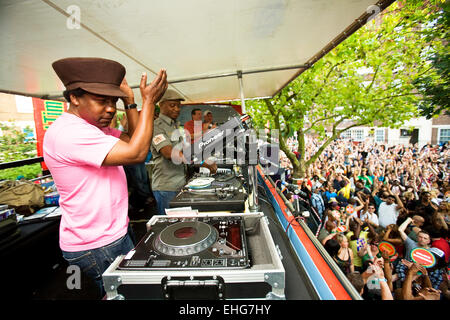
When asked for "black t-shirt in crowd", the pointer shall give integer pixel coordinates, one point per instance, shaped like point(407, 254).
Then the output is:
point(425, 211)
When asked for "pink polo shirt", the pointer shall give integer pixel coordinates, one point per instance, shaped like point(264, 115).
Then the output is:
point(93, 198)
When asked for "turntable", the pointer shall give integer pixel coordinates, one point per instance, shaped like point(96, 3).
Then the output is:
point(222, 191)
point(210, 256)
point(182, 243)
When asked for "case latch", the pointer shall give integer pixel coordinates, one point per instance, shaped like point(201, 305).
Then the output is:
point(202, 288)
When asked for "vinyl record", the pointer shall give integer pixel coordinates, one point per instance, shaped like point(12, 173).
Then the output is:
point(200, 183)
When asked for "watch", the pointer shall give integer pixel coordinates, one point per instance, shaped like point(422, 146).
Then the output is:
point(131, 106)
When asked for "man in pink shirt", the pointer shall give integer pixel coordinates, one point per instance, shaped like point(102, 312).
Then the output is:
point(85, 157)
point(193, 127)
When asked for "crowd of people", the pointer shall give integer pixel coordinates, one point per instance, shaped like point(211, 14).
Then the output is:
point(377, 204)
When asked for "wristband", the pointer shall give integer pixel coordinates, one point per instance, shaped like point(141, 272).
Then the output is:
point(131, 106)
point(382, 280)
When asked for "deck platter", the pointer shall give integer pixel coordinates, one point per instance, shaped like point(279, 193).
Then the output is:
point(203, 243)
point(184, 238)
point(200, 183)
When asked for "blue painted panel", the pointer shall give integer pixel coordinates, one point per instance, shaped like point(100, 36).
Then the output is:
point(305, 259)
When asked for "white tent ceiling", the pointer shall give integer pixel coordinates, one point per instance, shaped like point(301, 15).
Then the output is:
point(191, 39)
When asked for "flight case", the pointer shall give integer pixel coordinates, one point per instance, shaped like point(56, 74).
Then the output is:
point(165, 266)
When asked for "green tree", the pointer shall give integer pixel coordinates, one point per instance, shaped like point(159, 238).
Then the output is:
point(435, 85)
point(367, 80)
point(14, 146)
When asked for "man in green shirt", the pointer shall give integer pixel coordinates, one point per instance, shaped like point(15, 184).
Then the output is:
point(368, 179)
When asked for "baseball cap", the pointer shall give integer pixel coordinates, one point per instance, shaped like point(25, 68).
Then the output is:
point(171, 95)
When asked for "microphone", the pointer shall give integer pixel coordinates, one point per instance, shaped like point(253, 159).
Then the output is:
point(295, 189)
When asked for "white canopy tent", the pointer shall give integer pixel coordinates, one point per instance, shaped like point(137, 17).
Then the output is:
point(204, 44)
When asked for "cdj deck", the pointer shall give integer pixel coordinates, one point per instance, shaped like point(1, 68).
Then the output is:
point(219, 192)
point(209, 256)
point(182, 243)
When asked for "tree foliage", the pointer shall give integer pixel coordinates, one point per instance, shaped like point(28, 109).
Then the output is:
point(14, 146)
point(367, 80)
point(435, 85)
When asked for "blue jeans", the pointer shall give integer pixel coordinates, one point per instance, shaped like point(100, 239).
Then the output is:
point(94, 262)
point(163, 199)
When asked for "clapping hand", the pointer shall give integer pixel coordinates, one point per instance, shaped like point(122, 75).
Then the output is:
point(155, 90)
point(430, 294)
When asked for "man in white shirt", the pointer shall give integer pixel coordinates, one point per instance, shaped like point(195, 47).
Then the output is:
point(388, 211)
point(368, 215)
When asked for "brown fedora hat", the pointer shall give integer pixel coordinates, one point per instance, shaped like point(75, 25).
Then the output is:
point(94, 75)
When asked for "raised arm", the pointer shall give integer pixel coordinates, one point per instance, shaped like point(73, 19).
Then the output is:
point(386, 293)
point(387, 270)
point(406, 292)
point(399, 202)
point(136, 149)
point(402, 228)
point(361, 205)
point(131, 114)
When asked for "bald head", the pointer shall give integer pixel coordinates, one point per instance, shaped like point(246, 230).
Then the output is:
point(418, 220)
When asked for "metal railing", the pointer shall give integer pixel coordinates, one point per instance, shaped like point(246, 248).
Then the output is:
point(345, 282)
point(25, 162)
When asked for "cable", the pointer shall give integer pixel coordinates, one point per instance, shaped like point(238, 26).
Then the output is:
point(233, 246)
point(266, 201)
point(295, 219)
point(277, 223)
point(265, 192)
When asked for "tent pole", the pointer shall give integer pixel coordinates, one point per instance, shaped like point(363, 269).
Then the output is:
point(253, 181)
point(241, 89)
point(252, 170)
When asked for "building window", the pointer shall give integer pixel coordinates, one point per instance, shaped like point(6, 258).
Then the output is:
point(355, 134)
point(444, 135)
point(405, 133)
point(358, 134)
point(346, 134)
point(379, 135)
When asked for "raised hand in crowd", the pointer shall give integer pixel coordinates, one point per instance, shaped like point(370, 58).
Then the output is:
point(417, 285)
